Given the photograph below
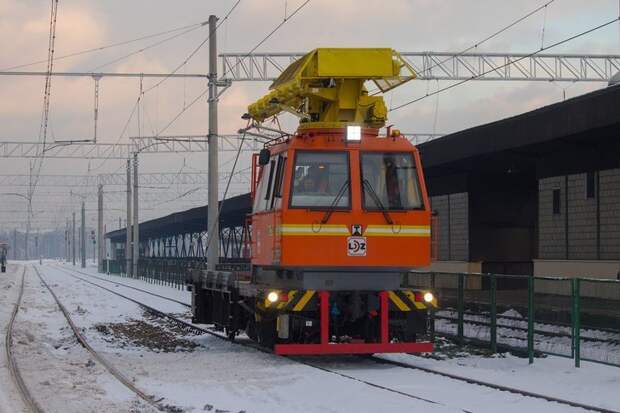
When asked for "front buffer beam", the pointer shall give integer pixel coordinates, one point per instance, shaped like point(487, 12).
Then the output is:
point(327, 347)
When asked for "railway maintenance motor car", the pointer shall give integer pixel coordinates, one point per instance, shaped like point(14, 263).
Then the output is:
point(340, 217)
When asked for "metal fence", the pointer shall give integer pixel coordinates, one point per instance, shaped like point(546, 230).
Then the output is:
point(170, 272)
point(570, 317)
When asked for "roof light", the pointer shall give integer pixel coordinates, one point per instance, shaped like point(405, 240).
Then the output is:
point(354, 133)
point(428, 297)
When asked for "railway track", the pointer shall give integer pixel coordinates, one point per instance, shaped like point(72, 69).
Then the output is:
point(539, 331)
point(14, 370)
point(191, 327)
point(200, 330)
point(107, 365)
point(495, 386)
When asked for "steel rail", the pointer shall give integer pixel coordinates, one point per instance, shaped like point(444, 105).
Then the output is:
point(468, 380)
point(30, 402)
point(200, 330)
point(131, 287)
point(499, 387)
point(454, 320)
point(107, 365)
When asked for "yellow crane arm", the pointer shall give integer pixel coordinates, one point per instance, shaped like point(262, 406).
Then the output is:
point(325, 88)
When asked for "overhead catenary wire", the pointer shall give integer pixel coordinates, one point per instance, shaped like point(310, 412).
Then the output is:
point(196, 49)
point(542, 32)
point(495, 34)
point(205, 91)
point(221, 204)
point(108, 46)
point(494, 69)
point(143, 49)
point(486, 39)
point(46, 104)
point(185, 108)
point(234, 166)
point(282, 23)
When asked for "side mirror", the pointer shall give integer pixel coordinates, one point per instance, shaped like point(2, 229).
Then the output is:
point(263, 157)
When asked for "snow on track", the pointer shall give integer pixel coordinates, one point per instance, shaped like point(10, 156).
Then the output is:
point(468, 397)
point(223, 375)
point(57, 371)
point(10, 376)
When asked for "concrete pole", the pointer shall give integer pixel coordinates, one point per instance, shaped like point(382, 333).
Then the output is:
point(128, 223)
point(83, 237)
point(100, 228)
point(73, 240)
point(68, 241)
point(213, 241)
point(136, 219)
point(15, 244)
point(26, 252)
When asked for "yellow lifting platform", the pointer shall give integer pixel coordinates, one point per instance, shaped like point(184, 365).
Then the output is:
point(325, 88)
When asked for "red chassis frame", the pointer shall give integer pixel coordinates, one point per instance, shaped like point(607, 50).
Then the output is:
point(325, 347)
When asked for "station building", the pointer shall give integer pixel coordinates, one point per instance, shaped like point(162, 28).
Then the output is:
point(537, 193)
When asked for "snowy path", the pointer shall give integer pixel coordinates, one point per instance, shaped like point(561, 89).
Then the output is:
point(449, 392)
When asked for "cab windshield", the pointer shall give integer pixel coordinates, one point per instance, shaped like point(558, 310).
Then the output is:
point(390, 181)
point(320, 180)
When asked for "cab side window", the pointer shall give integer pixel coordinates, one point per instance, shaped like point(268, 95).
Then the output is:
point(269, 191)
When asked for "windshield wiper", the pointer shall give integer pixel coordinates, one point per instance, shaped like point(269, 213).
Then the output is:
point(332, 207)
point(378, 202)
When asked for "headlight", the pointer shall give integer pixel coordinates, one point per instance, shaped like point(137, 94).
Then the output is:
point(272, 297)
point(428, 297)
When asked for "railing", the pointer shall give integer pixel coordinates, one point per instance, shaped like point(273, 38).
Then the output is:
point(569, 317)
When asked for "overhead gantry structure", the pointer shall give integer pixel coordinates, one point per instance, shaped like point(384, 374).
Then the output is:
point(451, 66)
point(428, 65)
point(84, 149)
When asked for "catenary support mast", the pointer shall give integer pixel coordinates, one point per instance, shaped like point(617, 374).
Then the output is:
point(212, 214)
point(83, 236)
point(73, 240)
point(136, 221)
point(128, 251)
point(100, 245)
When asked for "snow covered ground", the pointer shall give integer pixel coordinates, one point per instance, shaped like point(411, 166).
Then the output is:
point(60, 373)
point(218, 375)
point(9, 289)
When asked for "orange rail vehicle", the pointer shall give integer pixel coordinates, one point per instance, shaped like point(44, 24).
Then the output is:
point(340, 216)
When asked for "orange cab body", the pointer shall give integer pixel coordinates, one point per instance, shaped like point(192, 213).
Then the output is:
point(285, 236)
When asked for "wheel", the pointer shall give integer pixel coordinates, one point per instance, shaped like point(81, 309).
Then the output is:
point(231, 334)
point(251, 329)
point(267, 334)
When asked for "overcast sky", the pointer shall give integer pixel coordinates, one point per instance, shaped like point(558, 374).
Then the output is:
point(414, 25)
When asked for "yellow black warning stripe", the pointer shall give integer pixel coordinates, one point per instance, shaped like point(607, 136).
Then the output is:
point(297, 300)
point(405, 300)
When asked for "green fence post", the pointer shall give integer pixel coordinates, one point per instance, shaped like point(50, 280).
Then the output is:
point(460, 305)
point(493, 303)
point(576, 322)
point(530, 318)
point(573, 292)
